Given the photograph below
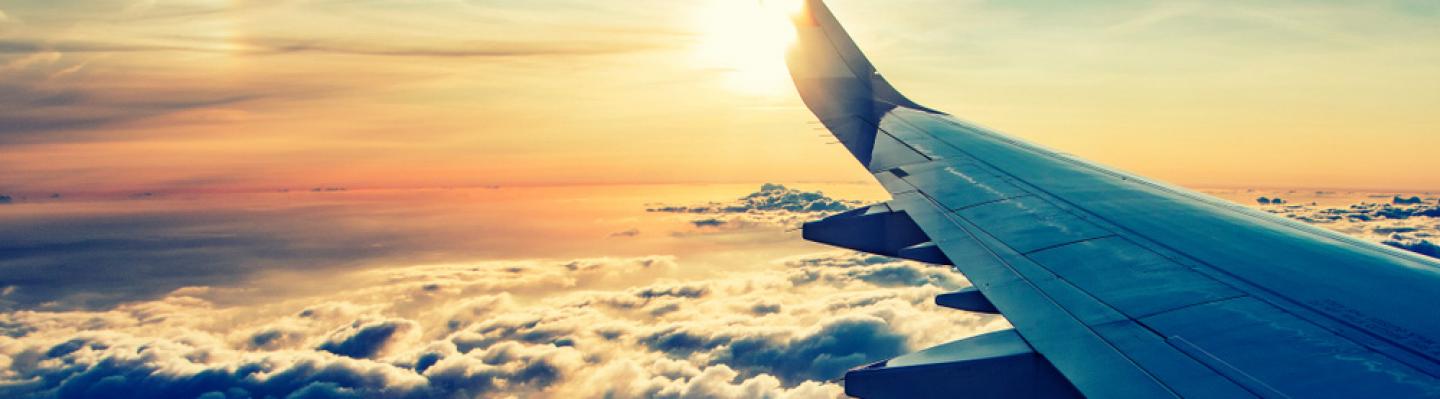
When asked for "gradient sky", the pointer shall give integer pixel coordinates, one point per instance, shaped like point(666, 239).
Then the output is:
point(460, 282)
point(123, 96)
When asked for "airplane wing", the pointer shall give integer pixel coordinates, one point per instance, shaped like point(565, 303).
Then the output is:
point(1117, 286)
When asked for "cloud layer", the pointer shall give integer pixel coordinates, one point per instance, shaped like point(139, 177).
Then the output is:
point(775, 326)
point(1408, 223)
point(468, 330)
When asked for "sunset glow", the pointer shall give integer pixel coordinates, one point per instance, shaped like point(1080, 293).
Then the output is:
point(244, 96)
point(747, 41)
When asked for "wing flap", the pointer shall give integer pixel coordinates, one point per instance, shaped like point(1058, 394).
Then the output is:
point(877, 229)
point(995, 365)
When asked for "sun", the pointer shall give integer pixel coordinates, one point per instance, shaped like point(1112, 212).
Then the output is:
point(747, 40)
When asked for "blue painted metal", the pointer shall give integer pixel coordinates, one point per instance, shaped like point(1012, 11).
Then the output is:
point(1030, 224)
point(1128, 287)
point(994, 365)
point(1268, 350)
point(969, 299)
point(926, 252)
point(875, 229)
point(960, 185)
point(1152, 284)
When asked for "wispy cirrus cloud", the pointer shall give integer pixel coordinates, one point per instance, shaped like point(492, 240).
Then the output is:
point(73, 77)
point(73, 115)
point(275, 46)
point(40, 104)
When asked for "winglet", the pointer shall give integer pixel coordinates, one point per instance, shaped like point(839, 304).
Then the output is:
point(823, 47)
point(827, 65)
point(838, 83)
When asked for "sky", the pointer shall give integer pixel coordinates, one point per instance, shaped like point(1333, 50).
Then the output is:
point(561, 198)
point(125, 96)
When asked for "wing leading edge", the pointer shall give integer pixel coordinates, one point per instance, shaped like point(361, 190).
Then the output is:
point(1118, 286)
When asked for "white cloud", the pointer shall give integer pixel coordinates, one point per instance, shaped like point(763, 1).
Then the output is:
point(773, 205)
point(1407, 222)
point(512, 328)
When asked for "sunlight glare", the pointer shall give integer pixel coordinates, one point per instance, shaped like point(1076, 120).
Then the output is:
point(747, 40)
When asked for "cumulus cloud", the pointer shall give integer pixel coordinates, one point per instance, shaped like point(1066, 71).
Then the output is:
point(364, 339)
point(770, 197)
point(1406, 223)
point(1417, 245)
point(501, 329)
point(771, 206)
point(825, 352)
point(1270, 201)
point(1407, 201)
point(1360, 212)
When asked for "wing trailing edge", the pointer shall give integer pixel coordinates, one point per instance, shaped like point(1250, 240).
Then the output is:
point(995, 365)
point(876, 229)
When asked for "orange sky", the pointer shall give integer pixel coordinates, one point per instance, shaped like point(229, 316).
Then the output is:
point(213, 95)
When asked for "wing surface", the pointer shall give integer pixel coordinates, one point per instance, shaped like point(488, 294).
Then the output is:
point(1117, 286)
